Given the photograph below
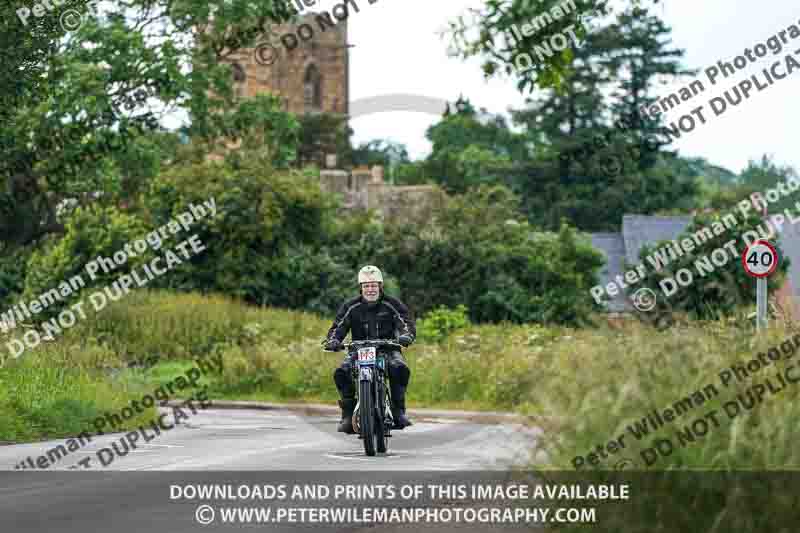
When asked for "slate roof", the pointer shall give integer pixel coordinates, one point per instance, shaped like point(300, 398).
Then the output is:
point(790, 245)
point(639, 230)
point(612, 245)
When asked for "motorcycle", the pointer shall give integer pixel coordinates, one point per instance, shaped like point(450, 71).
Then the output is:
point(372, 417)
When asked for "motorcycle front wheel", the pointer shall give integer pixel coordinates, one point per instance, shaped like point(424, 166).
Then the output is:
point(367, 417)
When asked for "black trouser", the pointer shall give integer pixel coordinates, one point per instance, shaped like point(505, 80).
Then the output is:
point(399, 375)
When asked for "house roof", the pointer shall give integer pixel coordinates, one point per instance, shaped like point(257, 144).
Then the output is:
point(613, 247)
point(790, 246)
point(639, 230)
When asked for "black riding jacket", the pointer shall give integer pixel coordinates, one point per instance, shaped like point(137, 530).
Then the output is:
point(387, 318)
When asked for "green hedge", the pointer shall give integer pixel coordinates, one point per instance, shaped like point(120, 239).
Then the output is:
point(278, 241)
point(478, 251)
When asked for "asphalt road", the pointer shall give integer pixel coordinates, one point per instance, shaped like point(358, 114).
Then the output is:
point(132, 493)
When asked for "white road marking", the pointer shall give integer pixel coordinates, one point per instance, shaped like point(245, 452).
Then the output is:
point(154, 466)
point(364, 458)
point(139, 446)
point(219, 427)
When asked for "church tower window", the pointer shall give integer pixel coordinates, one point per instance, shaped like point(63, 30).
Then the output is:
point(239, 79)
point(313, 89)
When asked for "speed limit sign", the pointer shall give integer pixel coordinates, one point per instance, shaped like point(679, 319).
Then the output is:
point(760, 259)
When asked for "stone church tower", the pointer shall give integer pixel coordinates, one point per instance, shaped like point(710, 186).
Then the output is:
point(312, 77)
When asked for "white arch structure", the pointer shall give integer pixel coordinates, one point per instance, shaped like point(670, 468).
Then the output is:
point(397, 102)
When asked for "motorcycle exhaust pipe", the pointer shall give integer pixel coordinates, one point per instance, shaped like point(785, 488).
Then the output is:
point(357, 419)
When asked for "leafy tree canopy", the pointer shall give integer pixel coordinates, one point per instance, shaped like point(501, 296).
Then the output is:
point(76, 106)
point(478, 34)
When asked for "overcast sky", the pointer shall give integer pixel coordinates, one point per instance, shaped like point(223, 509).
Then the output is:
point(397, 50)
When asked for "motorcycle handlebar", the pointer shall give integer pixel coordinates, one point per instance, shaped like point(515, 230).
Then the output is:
point(378, 342)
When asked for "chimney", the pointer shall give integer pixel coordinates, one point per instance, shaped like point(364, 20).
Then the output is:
point(330, 160)
point(377, 174)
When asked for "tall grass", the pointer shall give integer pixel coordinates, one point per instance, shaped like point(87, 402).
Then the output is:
point(726, 480)
point(152, 325)
point(593, 387)
point(58, 390)
point(582, 387)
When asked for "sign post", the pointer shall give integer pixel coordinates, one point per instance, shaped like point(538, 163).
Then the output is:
point(761, 303)
point(760, 260)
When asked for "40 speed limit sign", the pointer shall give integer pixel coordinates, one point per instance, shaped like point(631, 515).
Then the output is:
point(760, 259)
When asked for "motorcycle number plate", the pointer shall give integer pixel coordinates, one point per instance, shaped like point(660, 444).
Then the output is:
point(366, 355)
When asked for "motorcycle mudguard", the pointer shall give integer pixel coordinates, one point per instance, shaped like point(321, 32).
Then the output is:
point(365, 374)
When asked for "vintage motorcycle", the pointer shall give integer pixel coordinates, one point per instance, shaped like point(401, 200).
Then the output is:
point(372, 417)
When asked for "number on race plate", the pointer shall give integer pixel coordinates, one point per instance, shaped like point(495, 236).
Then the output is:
point(366, 355)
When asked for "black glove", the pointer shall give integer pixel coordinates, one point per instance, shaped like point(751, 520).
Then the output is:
point(333, 345)
point(405, 340)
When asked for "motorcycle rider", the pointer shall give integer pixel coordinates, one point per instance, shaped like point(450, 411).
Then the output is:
point(372, 315)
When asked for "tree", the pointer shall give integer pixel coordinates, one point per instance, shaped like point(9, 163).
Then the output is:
point(393, 157)
point(75, 106)
point(722, 189)
point(380, 152)
point(471, 148)
point(716, 185)
point(321, 134)
point(265, 245)
point(582, 168)
point(639, 59)
point(557, 122)
point(479, 252)
point(411, 173)
point(759, 176)
point(477, 35)
point(25, 211)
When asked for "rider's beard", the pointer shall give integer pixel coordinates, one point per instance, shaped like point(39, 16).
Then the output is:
point(372, 298)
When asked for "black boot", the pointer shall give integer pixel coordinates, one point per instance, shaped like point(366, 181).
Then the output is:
point(399, 407)
point(348, 405)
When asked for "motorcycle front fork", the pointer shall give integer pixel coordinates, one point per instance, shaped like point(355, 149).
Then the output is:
point(388, 419)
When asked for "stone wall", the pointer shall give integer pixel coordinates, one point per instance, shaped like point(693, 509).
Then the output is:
point(409, 203)
point(365, 189)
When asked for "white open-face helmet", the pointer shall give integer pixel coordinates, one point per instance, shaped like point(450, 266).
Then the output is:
point(369, 273)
